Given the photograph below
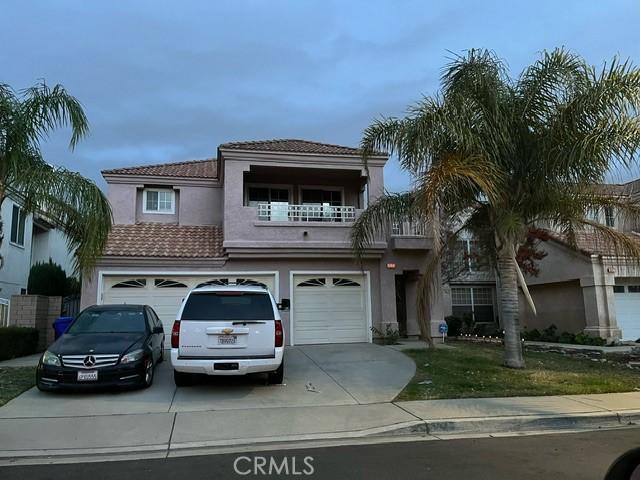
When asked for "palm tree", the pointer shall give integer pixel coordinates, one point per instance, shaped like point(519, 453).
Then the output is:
point(499, 156)
point(75, 204)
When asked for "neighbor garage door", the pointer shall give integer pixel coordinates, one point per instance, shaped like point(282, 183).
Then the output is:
point(165, 292)
point(329, 309)
point(628, 310)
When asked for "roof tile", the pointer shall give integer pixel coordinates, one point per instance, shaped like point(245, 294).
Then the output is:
point(164, 240)
point(191, 169)
point(293, 145)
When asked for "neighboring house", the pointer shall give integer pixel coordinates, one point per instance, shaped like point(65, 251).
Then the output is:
point(277, 213)
point(28, 239)
point(587, 290)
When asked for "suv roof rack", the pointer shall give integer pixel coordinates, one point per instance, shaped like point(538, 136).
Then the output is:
point(226, 283)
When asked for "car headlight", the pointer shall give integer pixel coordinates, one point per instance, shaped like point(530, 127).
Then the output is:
point(49, 358)
point(133, 356)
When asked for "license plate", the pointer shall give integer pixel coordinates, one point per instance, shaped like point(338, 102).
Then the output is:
point(227, 339)
point(90, 376)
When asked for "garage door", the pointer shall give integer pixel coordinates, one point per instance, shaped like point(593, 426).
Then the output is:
point(628, 310)
point(165, 293)
point(329, 309)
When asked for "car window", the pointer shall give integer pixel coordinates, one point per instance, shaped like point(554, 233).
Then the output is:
point(109, 321)
point(150, 320)
point(228, 306)
point(154, 316)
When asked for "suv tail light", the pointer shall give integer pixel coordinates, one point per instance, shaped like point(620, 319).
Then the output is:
point(175, 334)
point(279, 333)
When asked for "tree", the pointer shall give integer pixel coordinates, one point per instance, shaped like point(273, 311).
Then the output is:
point(73, 203)
point(502, 156)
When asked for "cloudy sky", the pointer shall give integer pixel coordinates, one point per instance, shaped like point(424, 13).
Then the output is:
point(167, 81)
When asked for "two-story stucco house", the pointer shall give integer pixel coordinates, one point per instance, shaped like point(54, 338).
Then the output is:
point(275, 212)
point(28, 239)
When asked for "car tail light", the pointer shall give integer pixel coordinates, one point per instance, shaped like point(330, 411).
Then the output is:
point(175, 334)
point(279, 333)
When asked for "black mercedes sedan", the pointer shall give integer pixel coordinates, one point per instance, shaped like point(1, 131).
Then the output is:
point(105, 346)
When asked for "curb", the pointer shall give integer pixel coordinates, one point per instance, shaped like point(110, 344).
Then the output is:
point(414, 430)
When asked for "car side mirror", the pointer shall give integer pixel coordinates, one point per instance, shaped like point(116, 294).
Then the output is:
point(284, 304)
point(158, 329)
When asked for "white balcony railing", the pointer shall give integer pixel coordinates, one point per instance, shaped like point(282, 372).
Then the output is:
point(408, 229)
point(285, 212)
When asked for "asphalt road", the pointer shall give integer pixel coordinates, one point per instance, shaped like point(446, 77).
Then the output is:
point(567, 456)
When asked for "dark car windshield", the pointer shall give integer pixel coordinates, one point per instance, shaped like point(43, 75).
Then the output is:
point(109, 321)
point(228, 306)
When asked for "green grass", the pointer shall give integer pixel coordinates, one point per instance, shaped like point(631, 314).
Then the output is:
point(473, 370)
point(14, 381)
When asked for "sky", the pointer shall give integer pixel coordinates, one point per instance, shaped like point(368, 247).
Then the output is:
point(165, 81)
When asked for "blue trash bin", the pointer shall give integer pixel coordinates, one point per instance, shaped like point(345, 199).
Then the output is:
point(60, 325)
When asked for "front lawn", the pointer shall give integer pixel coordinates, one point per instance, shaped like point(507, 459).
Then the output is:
point(14, 381)
point(475, 370)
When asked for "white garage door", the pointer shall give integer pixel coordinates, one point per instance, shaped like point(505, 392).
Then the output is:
point(628, 310)
point(329, 309)
point(165, 292)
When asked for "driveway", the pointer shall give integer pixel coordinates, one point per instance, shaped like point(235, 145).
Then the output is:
point(315, 375)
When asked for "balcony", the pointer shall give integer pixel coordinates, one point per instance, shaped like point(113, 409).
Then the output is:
point(285, 212)
point(410, 235)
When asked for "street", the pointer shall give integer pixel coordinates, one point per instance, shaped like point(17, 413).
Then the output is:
point(581, 456)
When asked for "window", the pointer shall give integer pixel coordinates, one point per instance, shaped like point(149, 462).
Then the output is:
point(618, 289)
point(18, 219)
point(134, 283)
point(277, 199)
point(633, 288)
point(228, 305)
point(166, 283)
point(313, 282)
point(344, 282)
point(467, 255)
point(159, 201)
point(609, 217)
point(321, 197)
point(474, 301)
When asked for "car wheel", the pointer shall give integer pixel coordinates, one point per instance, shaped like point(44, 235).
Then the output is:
point(182, 379)
point(148, 373)
point(277, 377)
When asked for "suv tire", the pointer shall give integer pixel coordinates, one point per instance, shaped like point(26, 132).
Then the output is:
point(276, 377)
point(182, 379)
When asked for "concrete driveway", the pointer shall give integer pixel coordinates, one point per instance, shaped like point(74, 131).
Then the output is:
point(317, 375)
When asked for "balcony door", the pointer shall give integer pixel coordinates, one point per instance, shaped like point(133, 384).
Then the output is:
point(274, 200)
point(318, 204)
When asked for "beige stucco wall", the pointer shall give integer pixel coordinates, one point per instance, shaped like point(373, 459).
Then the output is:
point(561, 304)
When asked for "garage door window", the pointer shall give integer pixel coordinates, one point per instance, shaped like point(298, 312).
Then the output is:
point(314, 282)
point(344, 282)
point(133, 283)
point(618, 289)
point(475, 301)
point(167, 283)
point(634, 288)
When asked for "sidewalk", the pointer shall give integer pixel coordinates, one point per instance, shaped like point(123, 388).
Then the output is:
point(179, 433)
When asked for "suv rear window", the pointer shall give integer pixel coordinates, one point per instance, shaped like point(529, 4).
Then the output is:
point(228, 306)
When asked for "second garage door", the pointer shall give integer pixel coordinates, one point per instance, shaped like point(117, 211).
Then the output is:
point(628, 311)
point(330, 309)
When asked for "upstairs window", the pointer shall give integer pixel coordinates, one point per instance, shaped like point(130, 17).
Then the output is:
point(18, 220)
point(609, 217)
point(158, 201)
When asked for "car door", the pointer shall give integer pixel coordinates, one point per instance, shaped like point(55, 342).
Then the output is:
point(156, 338)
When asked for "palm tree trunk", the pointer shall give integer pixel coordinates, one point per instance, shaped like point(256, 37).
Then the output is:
point(509, 310)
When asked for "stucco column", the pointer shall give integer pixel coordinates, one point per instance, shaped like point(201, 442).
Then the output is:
point(387, 297)
point(599, 302)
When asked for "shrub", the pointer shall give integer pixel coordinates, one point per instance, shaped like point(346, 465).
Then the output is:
point(566, 337)
point(47, 279)
point(72, 287)
point(17, 342)
point(532, 335)
point(389, 337)
point(468, 325)
point(454, 325)
point(549, 334)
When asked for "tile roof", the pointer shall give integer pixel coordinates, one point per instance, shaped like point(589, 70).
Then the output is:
point(590, 243)
point(164, 240)
point(191, 169)
point(293, 146)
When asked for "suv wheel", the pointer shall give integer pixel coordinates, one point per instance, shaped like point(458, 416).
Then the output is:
point(277, 377)
point(182, 379)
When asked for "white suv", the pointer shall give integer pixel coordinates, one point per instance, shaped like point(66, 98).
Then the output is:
point(228, 330)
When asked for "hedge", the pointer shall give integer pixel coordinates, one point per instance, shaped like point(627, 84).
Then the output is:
point(17, 342)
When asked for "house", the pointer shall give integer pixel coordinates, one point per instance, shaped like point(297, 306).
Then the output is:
point(28, 239)
point(276, 213)
point(589, 289)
